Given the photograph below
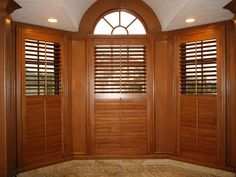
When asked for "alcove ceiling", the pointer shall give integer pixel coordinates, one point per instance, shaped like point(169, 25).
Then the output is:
point(171, 13)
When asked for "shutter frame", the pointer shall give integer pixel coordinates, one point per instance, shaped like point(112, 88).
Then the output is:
point(120, 69)
point(198, 67)
point(42, 67)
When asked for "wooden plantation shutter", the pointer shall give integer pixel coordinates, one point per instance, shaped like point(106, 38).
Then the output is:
point(199, 95)
point(120, 75)
point(42, 123)
point(120, 69)
point(198, 67)
point(42, 67)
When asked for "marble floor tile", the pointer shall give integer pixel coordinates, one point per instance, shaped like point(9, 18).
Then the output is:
point(125, 168)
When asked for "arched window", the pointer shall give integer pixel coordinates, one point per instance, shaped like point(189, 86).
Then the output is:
point(119, 23)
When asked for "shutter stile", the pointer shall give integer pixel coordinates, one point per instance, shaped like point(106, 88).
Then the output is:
point(198, 67)
point(120, 69)
point(42, 68)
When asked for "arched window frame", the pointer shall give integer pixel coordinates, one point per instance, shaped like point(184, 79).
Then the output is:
point(113, 28)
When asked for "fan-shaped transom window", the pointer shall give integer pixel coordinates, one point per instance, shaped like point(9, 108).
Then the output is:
point(119, 23)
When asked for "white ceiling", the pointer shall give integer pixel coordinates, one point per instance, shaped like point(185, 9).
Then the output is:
point(171, 13)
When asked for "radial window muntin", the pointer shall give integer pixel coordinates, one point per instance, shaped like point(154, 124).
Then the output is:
point(119, 23)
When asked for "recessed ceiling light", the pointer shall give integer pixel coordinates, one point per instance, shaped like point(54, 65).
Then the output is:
point(190, 20)
point(52, 20)
point(8, 21)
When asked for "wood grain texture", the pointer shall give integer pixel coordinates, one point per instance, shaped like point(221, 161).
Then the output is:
point(7, 97)
point(101, 7)
point(120, 126)
point(199, 128)
point(231, 6)
point(79, 96)
point(41, 141)
point(11, 101)
point(112, 115)
point(7, 7)
point(3, 149)
point(68, 96)
point(42, 130)
point(231, 94)
point(201, 118)
point(164, 126)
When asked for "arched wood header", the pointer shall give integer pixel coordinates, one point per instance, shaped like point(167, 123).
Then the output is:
point(101, 7)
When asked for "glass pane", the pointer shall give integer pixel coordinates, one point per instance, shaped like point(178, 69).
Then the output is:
point(126, 19)
point(103, 28)
point(120, 31)
point(118, 23)
point(136, 28)
point(113, 19)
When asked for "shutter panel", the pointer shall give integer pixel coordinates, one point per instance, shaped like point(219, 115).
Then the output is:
point(42, 123)
point(119, 102)
point(120, 69)
point(198, 67)
point(199, 96)
point(42, 67)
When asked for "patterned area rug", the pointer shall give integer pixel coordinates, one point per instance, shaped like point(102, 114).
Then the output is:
point(125, 168)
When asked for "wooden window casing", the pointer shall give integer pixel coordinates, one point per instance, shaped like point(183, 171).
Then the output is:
point(200, 100)
point(40, 77)
point(120, 95)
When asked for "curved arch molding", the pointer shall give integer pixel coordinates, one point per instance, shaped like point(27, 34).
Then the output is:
point(100, 7)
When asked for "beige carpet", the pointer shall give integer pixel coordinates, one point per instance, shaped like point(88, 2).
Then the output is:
point(125, 168)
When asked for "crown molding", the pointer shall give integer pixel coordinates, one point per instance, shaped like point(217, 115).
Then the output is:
point(7, 7)
point(231, 7)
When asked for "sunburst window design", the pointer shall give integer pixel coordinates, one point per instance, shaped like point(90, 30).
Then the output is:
point(119, 23)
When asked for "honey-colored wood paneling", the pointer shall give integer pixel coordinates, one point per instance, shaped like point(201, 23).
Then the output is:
point(7, 89)
point(68, 96)
point(3, 149)
point(43, 138)
point(79, 96)
point(231, 93)
point(197, 143)
point(164, 126)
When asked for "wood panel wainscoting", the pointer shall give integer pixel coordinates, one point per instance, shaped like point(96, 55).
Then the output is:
point(231, 94)
point(126, 125)
point(164, 128)
point(120, 72)
point(116, 96)
point(231, 85)
point(201, 95)
point(41, 93)
point(79, 96)
point(7, 88)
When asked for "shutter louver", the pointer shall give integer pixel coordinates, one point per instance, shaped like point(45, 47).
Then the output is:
point(198, 67)
point(120, 69)
point(42, 67)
